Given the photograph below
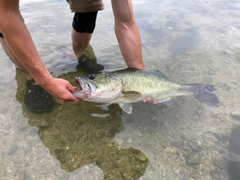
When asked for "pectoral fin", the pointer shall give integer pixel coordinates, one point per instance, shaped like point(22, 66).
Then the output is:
point(126, 107)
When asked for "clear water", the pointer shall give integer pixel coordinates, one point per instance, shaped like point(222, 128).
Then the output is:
point(190, 42)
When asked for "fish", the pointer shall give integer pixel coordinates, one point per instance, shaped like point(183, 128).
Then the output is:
point(129, 85)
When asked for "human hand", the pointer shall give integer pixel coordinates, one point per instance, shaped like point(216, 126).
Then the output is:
point(61, 89)
point(149, 100)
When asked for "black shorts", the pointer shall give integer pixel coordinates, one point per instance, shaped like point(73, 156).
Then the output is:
point(84, 22)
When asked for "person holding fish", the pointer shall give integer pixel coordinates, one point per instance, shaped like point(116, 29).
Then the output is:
point(16, 40)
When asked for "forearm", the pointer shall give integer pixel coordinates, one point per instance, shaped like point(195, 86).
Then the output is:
point(127, 33)
point(19, 40)
point(129, 40)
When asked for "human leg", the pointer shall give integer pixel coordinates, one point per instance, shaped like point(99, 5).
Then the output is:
point(83, 27)
point(12, 56)
point(79, 42)
point(85, 14)
point(35, 98)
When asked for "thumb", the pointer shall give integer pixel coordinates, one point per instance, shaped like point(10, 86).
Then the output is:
point(71, 88)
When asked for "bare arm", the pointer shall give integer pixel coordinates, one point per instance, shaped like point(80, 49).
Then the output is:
point(20, 42)
point(127, 33)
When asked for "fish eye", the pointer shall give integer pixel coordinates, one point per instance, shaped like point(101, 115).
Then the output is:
point(92, 76)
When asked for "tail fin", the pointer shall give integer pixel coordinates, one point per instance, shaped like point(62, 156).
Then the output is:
point(204, 93)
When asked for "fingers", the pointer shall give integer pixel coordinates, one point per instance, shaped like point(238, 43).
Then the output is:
point(70, 87)
point(61, 89)
point(149, 100)
point(68, 97)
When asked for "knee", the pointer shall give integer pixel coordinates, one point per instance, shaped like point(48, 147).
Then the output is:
point(83, 26)
point(84, 22)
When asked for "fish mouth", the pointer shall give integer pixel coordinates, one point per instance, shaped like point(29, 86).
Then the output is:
point(79, 85)
point(85, 86)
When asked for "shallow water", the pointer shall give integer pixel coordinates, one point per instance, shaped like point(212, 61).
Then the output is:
point(190, 42)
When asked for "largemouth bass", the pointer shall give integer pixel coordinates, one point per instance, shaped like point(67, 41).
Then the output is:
point(130, 85)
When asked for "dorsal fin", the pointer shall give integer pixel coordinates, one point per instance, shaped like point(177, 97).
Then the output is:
point(158, 73)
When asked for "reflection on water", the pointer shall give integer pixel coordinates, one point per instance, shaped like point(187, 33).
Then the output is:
point(185, 42)
point(190, 42)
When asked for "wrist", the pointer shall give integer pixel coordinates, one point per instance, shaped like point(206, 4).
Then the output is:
point(43, 79)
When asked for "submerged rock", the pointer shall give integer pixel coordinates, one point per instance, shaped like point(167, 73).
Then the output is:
point(192, 159)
